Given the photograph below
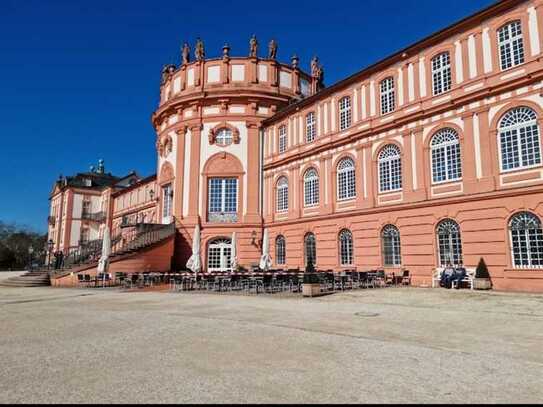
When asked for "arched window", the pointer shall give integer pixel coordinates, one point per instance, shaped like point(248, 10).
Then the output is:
point(282, 139)
point(346, 180)
point(310, 248)
point(526, 240)
point(390, 240)
point(344, 113)
point(446, 163)
point(441, 73)
point(345, 247)
point(449, 242)
point(280, 250)
point(519, 139)
point(224, 137)
point(310, 128)
point(511, 45)
point(311, 187)
point(388, 97)
point(390, 169)
point(282, 194)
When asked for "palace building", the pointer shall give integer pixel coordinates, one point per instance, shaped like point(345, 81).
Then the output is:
point(432, 155)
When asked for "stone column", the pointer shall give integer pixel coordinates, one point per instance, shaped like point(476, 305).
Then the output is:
point(253, 176)
point(194, 183)
point(179, 188)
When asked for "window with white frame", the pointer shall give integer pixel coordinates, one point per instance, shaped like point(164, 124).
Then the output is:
point(526, 240)
point(345, 114)
point(446, 163)
point(390, 169)
point(167, 200)
point(310, 248)
point(449, 242)
point(311, 187)
point(223, 199)
point(388, 97)
point(511, 45)
point(346, 247)
point(346, 179)
point(519, 139)
point(282, 139)
point(282, 194)
point(310, 128)
point(441, 73)
point(280, 250)
point(390, 240)
point(224, 137)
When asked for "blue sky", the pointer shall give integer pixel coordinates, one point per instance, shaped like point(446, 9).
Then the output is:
point(79, 79)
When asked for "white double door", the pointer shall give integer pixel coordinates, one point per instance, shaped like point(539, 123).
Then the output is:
point(219, 255)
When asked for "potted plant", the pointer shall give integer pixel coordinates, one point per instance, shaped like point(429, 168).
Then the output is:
point(311, 283)
point(482, 277)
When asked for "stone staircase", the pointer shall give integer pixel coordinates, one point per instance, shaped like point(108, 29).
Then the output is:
point(30, 279)
point(138, 241)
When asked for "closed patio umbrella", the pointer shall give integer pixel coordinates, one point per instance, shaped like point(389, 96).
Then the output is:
point(234, 254)
point(103, 263)
point(194, 263)
point(265, 259)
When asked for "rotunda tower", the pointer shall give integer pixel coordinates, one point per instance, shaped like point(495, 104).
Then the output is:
point(209, 147)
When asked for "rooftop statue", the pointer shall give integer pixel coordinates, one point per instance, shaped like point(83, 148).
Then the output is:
point(272, 49)
point(253, 44)
point(295, 61)
point(316, 71)
point(185, 53)
point(199, 52)
point(226, 52)
point(167, 72)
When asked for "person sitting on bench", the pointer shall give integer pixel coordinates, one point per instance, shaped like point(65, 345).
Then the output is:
point(459, 274)
point(447, 276)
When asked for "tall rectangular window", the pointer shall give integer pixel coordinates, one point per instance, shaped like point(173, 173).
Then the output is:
point(282, 139)
point(223, 199)
point(310, 130)
point(388, 98)
point(511, 45)
point(441, 73)
point(345, 113)
point(167, 199)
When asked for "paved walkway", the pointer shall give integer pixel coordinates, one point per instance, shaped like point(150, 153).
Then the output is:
point(369, 346)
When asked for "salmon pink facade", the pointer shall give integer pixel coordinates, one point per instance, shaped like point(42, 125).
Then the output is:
point(430, 156)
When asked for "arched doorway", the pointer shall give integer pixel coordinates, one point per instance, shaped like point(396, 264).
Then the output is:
point(219, 254)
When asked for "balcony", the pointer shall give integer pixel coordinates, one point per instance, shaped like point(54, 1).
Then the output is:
point(94, 217)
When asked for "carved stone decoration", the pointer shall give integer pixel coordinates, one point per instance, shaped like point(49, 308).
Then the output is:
point(164, 146)
point(166, 173)
point(199, 51)
point(253, 47)
point(212, 136)
point(185, 53)
point(272, 49)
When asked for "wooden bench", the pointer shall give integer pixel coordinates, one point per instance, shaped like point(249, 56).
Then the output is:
point(470, 276)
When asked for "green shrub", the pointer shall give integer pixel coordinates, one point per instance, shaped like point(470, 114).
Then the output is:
point(482, 270)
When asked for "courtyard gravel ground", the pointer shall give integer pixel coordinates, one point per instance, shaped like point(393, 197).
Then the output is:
point(370, 346)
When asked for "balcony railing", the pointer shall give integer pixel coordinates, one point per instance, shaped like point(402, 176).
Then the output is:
point(223, 217)
point(94, 217)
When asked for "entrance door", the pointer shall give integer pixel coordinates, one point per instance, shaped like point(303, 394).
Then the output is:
point(219, 255)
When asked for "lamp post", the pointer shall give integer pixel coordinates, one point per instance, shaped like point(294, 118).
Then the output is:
point(30, 252)
point(50, 244)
